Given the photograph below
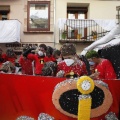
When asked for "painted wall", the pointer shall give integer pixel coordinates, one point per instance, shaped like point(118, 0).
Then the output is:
point(103, 9)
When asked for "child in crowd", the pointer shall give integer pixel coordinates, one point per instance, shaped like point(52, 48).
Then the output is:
point(25, 63)
point(11, 56)
point(49, 53)
point(49, 69)
point(102, 66)
point(7, 67)
point(57, 56)
point(71, 66)
point(3, 57)
point(39, 59)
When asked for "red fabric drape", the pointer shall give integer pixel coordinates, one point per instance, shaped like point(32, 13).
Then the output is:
point(31, 95)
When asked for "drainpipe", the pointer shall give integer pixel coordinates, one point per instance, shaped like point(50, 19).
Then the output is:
point(54, 22)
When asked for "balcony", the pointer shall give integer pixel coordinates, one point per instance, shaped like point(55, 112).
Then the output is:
point(118, 13)
point(9, 31)
point(83, 30)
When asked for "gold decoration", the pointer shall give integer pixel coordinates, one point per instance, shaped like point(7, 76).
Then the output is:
point(85, 85)
point(42, 61)
point(84, 107)
point(71, 74)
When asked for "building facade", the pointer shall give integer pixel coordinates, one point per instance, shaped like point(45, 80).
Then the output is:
point(40, 18)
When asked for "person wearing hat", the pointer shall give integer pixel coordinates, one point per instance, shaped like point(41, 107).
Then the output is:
point(102, 66)
point(71, 66)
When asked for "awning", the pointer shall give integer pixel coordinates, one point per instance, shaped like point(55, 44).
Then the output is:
point(9, 31)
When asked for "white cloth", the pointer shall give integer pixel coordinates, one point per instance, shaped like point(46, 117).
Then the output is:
point(76, 23)
point(106, 24)
point(9, 31)
point(61, 23)
point(109, 44)
point(106, 39)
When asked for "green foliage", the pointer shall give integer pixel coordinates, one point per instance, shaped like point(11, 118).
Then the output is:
point(91, 54)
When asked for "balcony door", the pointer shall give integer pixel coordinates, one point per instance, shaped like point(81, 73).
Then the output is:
point(76, 13)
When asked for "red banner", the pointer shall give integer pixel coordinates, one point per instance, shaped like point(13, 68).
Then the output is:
point(31, 95)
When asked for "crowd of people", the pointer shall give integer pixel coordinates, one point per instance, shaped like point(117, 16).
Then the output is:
point(63, 62)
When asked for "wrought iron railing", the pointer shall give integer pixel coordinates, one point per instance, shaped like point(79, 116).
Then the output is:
point(118, 14)
point(78, 30)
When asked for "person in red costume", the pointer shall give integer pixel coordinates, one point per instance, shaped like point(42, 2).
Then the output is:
point(39, 59)
point(71, 66)
point(102, 66)
point(3, 57)
point(49, 53)
point(25, 63)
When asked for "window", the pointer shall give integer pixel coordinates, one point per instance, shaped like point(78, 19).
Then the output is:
point(3, 16)
point(38, 18)
point(4, 11)
point(77, 13)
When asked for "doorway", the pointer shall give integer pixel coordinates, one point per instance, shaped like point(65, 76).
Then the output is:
point(73, 14)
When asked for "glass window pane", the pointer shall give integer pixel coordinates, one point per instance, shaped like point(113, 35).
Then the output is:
point(81, 16)
point(38, 16)
point(71, 16)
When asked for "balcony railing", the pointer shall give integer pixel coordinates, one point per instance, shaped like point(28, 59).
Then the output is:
point(78, 30)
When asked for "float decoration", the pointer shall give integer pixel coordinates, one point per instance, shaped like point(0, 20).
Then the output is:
point(25, 118)
point(65, 97)
point(111, 116)
point(85, 85)
point(44, 116)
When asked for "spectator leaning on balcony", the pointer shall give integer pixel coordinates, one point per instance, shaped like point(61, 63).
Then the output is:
point(71, 66)
point(102, 66)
